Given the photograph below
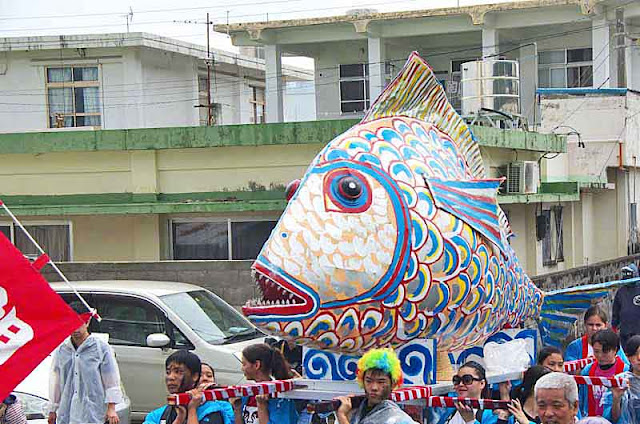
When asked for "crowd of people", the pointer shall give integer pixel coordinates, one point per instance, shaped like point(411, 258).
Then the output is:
point(85, 383)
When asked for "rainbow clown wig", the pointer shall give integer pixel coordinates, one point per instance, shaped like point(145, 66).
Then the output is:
point(384, 360)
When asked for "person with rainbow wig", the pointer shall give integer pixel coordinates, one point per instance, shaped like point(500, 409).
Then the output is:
point(379, 372)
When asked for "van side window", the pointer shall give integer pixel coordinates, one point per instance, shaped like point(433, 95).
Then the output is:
point(72, 299)
point(129, 320)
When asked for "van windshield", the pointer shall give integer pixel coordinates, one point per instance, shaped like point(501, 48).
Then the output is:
point(209, 316)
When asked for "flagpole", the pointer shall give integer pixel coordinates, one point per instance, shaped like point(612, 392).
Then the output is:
point(55, 267)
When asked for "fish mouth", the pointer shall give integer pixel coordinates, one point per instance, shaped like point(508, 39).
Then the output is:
point(276, 296)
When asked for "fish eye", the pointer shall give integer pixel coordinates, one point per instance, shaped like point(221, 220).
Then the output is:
point(347, 191)
point(350, 187)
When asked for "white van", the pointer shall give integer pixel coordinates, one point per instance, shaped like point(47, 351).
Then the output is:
point(149, 320)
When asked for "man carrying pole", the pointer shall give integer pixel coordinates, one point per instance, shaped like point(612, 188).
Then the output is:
point(379, 372)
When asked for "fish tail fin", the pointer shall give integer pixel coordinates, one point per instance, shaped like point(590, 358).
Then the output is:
point(416, 92)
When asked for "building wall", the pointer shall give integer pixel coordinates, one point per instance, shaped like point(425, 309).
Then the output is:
point(116, 238)
point(24, 101)
point(598, 119)
point(230, 92)
point(66, 173)
point(162, 171)
point(139, 88)
point(231, 168)
point(170, 90)
point(439, 51)
point(299, 101)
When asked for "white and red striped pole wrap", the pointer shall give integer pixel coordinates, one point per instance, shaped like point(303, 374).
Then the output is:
point(610, 382)
point(411, 393)
point(450, 402)
point(578, 364)
point(265, 388)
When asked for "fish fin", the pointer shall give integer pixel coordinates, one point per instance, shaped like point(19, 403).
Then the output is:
point(562, 308)
point(415, 92)
point(472, 201)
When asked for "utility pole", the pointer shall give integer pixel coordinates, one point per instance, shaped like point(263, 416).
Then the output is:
point(209, 105)
point(620, 49)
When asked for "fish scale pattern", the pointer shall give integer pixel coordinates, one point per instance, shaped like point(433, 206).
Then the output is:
point(456, 286)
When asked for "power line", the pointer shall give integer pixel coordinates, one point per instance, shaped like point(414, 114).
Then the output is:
point(446, 51)
point(199, 49)
point(237, 92)
point(178, 9)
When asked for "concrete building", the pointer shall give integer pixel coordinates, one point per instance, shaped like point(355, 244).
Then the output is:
point(132, 80)
point(603, 147)
point(557, 43)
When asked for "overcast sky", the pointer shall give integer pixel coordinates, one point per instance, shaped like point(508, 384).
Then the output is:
point(183, 20)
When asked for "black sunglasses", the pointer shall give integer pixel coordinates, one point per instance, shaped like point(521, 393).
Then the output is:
point(466, 379)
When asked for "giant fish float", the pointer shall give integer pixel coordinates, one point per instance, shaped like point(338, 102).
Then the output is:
point(393, 234)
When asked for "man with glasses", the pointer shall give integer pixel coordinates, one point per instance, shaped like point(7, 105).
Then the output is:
point(379, 373)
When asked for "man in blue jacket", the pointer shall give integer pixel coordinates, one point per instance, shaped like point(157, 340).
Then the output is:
point(182, 375)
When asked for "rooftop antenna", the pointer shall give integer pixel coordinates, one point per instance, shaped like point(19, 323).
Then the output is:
point(129, 17)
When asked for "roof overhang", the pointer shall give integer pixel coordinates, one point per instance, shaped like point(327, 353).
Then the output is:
point(407, 23)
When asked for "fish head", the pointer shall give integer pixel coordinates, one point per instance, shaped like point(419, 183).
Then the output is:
point(341, 241)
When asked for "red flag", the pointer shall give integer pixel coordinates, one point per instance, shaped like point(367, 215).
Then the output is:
point(34, 320)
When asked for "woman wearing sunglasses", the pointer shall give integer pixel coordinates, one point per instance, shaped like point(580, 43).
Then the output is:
point(469, 382)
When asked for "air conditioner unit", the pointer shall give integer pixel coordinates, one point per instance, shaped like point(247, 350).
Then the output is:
point(522, 177)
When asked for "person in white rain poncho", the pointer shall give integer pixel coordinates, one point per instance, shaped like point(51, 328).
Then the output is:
point(85, 381)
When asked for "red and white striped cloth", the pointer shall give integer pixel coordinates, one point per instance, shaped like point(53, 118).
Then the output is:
point(450, 402)
point(578, 364)
point(265, 388)
point(411, 393)
point(602, 381)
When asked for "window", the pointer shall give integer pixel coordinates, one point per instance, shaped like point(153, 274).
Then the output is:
point(128, 320)
point(552, 243)
point(5, 230)
point(248, 238)
point(76, 304)
point(566, 68)
point(257, 103)
point(73, 96)
point(354, 88)
point(201, 240)
point(207, 315)
point(54, 238)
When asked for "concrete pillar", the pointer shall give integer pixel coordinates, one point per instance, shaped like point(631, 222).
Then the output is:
point(273, 83)
point(376, 67)
point(603, 53)
point(489, 41)
point(588, 241)
point(632, 63)
point(569, 225)
point(532, 243)
point(146, 238)
point(144, 172)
